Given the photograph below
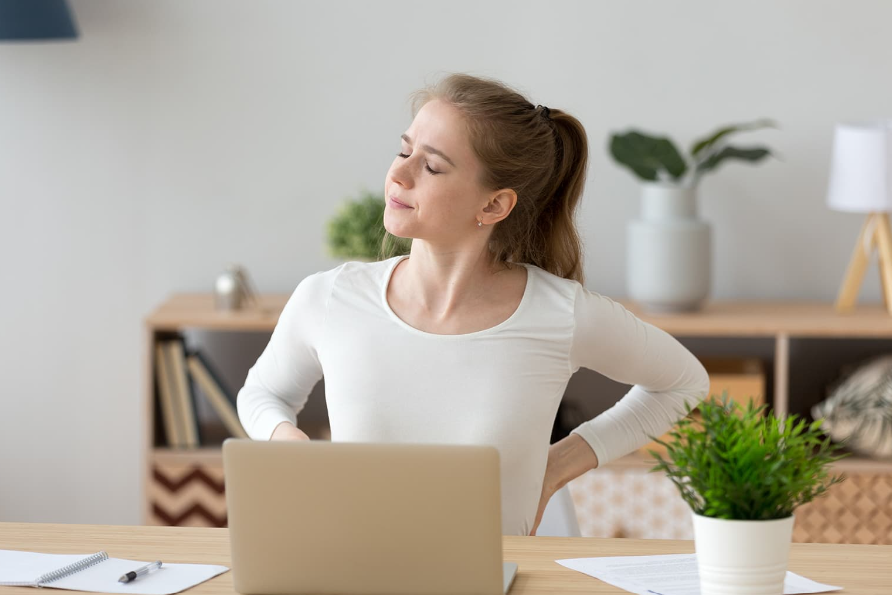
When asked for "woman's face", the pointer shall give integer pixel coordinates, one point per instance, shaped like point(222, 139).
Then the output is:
point(442, 207)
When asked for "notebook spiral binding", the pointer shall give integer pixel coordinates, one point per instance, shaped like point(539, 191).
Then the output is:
point(72, 568)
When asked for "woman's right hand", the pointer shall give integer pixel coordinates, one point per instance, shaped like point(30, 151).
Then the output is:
point(288, 431)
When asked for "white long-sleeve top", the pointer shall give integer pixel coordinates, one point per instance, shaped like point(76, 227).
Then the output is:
point(386, 381)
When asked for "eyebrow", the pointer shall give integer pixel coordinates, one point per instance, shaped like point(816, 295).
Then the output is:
point(430, 149)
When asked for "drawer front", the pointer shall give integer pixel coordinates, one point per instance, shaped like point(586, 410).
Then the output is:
point(187, 495)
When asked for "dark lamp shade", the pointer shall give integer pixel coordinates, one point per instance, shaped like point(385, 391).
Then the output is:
point(35, 20)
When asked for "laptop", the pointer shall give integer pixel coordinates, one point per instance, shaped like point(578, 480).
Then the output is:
point(363, 519)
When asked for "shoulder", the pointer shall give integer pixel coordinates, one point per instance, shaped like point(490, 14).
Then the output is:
point(358, 275)
point(351, 274)
point(571, 296)
point(552, 288)
point(313, 294)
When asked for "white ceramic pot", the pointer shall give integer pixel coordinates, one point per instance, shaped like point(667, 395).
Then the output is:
point(742, 557)
point(669, 251)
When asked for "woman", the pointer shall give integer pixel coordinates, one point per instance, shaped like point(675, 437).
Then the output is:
point(473, 336)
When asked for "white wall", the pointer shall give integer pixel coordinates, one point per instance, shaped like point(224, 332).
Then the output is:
point(176, 136)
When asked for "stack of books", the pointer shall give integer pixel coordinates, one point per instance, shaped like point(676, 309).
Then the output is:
point(175, 370)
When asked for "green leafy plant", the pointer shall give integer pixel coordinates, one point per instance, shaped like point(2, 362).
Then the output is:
point(656, 158)
point(736, 463)
point(357, 230)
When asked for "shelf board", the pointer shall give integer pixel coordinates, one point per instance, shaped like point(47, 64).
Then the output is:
point(186, 456)
point(196, 310)
point(715, 319)
point(634, 461)
point(772, 318)
point(854, 464)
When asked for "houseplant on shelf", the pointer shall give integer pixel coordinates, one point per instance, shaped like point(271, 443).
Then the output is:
point(743, 474)
point(669, 248)
point(357, 231)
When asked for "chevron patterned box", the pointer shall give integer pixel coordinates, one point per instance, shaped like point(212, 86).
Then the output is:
point(187, 491)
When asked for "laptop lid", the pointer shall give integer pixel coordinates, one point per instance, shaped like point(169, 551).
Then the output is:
point(340, 517)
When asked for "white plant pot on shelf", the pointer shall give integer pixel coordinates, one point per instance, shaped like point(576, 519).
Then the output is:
point(742, 557)
point(669, 251)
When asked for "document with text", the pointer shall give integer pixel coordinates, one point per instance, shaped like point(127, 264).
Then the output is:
point(670, 574)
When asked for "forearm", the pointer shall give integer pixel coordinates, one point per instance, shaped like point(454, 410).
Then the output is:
point(568, 459)
point(288, 431)
point(639, 415)
point(260, 411)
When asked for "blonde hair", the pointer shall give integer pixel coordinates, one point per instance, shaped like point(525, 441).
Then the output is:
point(540, 153)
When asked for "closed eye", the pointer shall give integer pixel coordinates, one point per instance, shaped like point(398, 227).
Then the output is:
point(426, 166)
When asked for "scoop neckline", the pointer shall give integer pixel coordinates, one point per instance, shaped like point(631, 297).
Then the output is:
point(389, 274)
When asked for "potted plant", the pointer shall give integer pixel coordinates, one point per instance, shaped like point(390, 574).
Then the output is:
point(669, 247)
point(357, 231)
point(743, 474)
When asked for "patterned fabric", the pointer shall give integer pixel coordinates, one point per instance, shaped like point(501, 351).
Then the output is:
point(630, 502)
point(858, 510)
point(860, 409)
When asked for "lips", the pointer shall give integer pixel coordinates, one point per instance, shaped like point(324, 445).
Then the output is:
point(396, 203)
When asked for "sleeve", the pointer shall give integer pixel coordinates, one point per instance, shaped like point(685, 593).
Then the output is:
point(665, 375)
point(277, 386)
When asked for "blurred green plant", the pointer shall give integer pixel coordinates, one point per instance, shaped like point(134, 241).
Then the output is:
point(357, 230)
point(656, 158)
point(735, 463)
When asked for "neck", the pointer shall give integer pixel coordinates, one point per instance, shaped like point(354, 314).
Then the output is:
point(443, 282)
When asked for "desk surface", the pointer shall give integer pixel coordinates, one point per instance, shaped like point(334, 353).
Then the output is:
point(860, 569)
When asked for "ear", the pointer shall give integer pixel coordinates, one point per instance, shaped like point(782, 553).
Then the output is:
point(500, 205)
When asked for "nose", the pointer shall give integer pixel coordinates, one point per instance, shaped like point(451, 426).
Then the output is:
point(401, 173)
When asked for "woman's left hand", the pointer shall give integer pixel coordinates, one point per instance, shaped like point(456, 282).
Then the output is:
point(567, 459)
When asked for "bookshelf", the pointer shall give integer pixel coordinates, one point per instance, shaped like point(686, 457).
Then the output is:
point(786, 326)
point(185, 486)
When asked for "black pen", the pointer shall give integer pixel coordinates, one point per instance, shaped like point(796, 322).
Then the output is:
point(134, 574)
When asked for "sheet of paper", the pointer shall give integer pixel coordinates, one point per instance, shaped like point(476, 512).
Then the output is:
point(103, 577)
point(24, 567)
point(671, 574)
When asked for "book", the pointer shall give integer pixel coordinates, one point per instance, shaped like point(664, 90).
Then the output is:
point(165, 386)
point(98, 573)
point(212, 387)
point(183, 397)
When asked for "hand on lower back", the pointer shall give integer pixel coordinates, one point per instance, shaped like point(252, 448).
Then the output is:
point(567, 459)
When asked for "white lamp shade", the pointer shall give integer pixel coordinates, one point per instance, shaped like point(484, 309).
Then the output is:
point(861, 167)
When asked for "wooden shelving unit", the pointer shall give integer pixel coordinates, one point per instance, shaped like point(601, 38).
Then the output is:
point(185, 486)
point(857, 511)
point(778, 321)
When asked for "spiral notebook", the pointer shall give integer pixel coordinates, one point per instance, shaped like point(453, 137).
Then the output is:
point(98, 573)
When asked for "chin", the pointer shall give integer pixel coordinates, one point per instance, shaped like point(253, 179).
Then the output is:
point(396, 230)
point(403, 235)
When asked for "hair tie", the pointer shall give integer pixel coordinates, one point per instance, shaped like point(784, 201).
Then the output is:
point(544, 110)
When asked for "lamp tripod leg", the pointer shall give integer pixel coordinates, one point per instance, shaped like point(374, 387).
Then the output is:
point(884, 287)
point(848, 293)
point(884, 243)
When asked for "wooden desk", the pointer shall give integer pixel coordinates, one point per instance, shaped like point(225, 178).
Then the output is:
point(860, 569)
